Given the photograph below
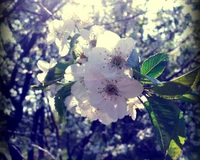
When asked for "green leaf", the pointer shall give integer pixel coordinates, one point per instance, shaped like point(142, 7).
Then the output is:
point(72, 44)
point(57, 72)
point(174, 150)
point(54, 75)
point(171, 90)
point(189, 79)
point(177, 87)
point(176, 144)
point(190, 98)
point(168, 122)
point(60, 98)
point(154, 65)
point(144, 79)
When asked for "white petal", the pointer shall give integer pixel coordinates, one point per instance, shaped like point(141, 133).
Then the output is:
point(107, 40)
point(95, 31)
point(114, 109)
point(133, 114)
point(69, 25)
point(121, 108)
point(85, 34)
point(50, 38)
point(70, 102)
point(126, 45)
point(79, 91)
point(85, 105)
point(129, 88)
point(64, 51)
point(92, 113)
point(98, 56)
point(58, 43)
point(95, 100)
point(43, 65)
point(53, 62)
point(41, 76)
point(93, 79)
point(105, 119)
point(64, 39)
point(74, 72)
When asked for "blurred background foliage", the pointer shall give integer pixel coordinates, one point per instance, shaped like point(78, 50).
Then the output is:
point(29, 126)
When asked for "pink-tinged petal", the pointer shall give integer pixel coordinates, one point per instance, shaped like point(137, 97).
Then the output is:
point(70, 102)
point(53, 62)
point(98, 56)
point(43, 65)
point(93, 79)
point(79, 91)
point(85, 34)
point(121, 108)
point(85, 105)
point(115, 109)
point(105, 119)
point(129, 88)
point(107, 40)
point(41, 76)
point(74, 72)
point(126, 45)
point(96, 100)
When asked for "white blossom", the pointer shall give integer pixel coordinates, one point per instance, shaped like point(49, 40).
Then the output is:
point(133, 104)
point(109, 93)
point(45, 67)
point(111, 52)
point(90, 37)
point(59, 31)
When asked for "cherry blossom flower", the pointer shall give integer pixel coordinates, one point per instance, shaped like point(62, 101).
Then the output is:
point(91, 36)
point(74, 72)
point(111, 52)
point(133, 104)
point(45, 67)
point(109, 93)
point(86, 110)
point(87, 41)
point(59, 31)
point(80, 97)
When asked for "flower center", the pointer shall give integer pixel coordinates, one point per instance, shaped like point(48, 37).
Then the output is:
point(111, 89)
point(93, 43)
point(117, 61)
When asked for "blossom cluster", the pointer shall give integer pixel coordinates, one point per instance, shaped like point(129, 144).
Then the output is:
point(104, 87)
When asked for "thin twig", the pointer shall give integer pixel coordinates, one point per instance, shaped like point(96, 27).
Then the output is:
point(44, 150)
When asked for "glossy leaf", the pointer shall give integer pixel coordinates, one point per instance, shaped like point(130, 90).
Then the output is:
point(176, 144)
point(168, 123)
point(60, 98)
point(189, 79)
point(144, 79)
point(179, 86)
point(154, 65)
point(190, 98)
point(57, 71)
